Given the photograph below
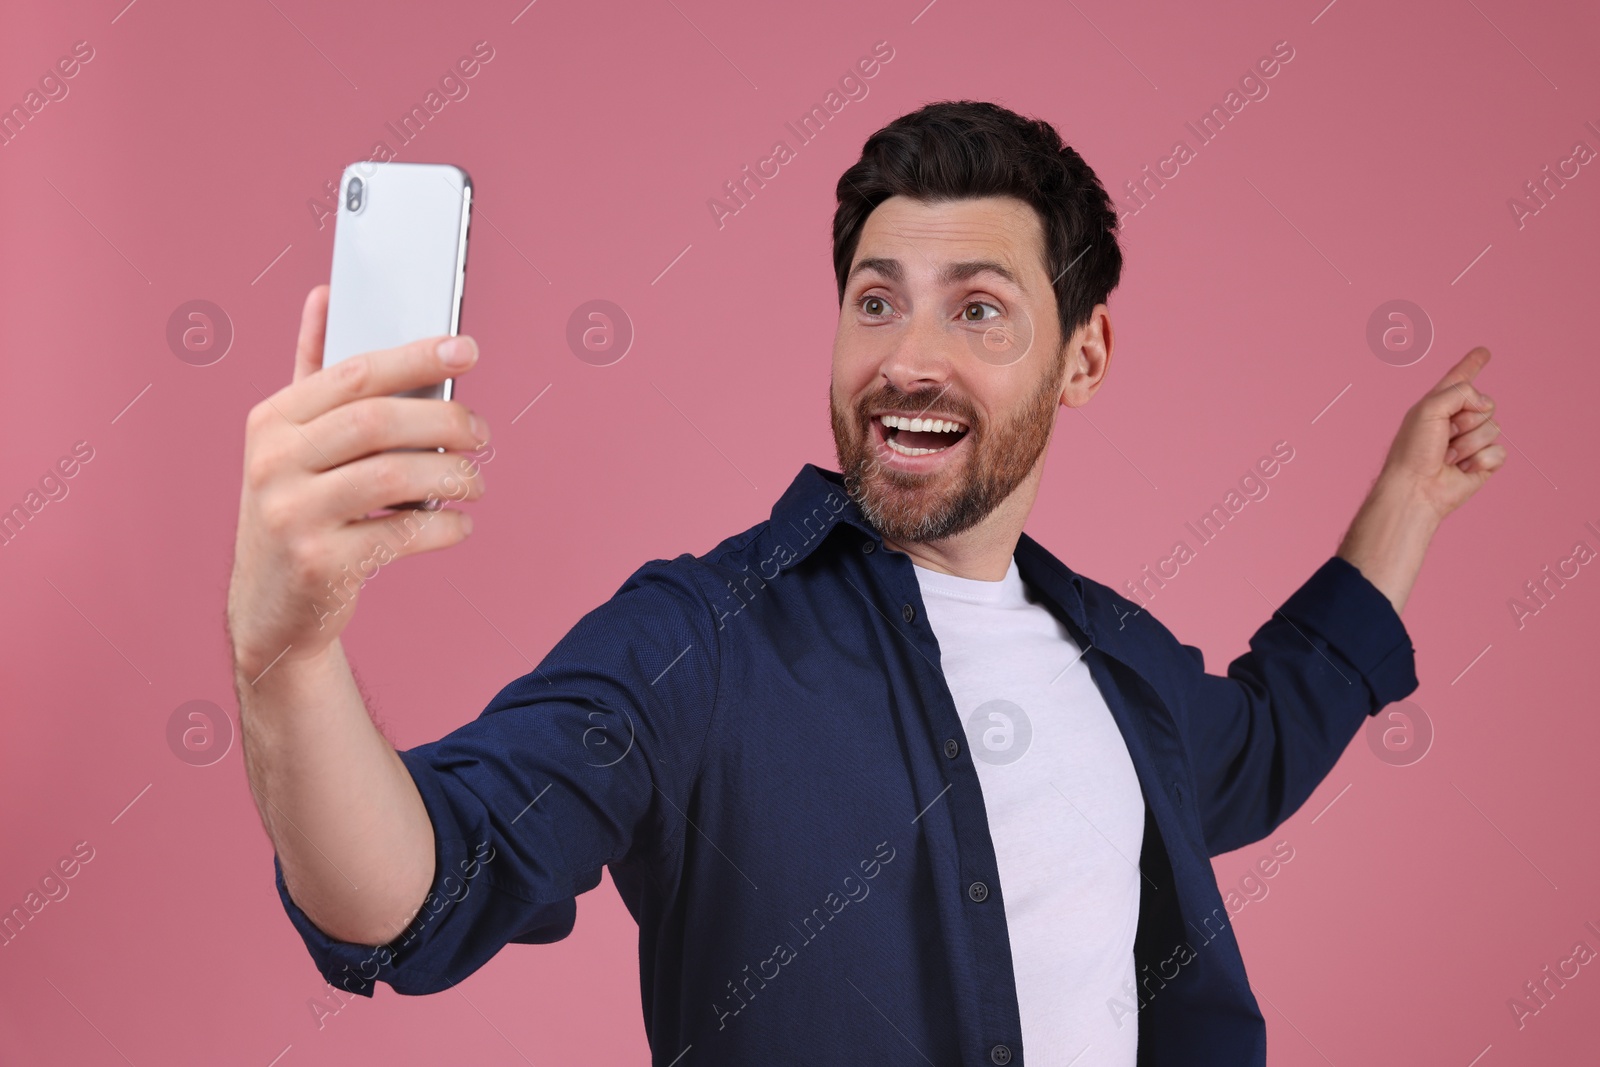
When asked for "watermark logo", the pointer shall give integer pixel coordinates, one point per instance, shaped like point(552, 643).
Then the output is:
point(743, 988)
point(738, 192)
point(1252, 487)
point(1542, 190)
point(452, 86)
point(52, 87)
point(1400, 734)
point(452, 889)
point(999, 732)
point(1537, 994)
point(53, 486)
point(599, 332)
point(199, 333)
point(1399, 332)
point(199, 733)
point(1003, 342)
point(1540, 590)
point(1253, 87)
point(599, 742)
point(52, 889)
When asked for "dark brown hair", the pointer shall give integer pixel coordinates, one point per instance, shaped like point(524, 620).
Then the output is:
point(956, 149)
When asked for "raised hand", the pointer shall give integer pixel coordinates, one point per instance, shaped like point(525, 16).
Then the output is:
point(1445, 446)
point(1442, 454)
point(319, 460)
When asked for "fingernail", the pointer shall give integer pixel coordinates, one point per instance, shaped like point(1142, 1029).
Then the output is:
point(480, 431)
point(456, 352)
point(1450, 456)
point(466, 525)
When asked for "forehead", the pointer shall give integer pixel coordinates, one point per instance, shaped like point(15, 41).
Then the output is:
point(923, 235)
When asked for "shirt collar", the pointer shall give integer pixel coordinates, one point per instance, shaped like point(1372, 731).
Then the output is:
point(817, 502)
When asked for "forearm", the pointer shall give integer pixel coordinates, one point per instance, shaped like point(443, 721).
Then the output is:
point(1388, 538)
point(344, 814)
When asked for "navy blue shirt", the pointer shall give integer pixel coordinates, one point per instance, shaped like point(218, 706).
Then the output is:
point(761, 747)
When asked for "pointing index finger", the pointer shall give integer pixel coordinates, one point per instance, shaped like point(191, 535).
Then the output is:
point(393, 370)
point(1464, 371)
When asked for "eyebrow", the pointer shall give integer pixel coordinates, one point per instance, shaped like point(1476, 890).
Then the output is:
point(950, 275)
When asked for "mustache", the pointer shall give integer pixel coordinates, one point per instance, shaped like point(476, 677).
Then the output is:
point(917, 404)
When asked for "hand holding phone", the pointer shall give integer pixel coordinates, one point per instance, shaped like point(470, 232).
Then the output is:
point(323, 454)
point(366, 422)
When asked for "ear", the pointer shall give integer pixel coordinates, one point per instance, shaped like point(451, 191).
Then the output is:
point(1088, 358)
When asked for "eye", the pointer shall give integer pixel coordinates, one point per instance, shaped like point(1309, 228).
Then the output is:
point(874, 305)
point(967, 316)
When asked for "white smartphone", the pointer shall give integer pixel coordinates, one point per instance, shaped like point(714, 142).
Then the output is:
point(399, 260)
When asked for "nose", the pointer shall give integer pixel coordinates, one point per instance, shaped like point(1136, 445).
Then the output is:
point(921, 356)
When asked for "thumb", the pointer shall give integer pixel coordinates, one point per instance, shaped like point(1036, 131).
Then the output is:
point(313, 327)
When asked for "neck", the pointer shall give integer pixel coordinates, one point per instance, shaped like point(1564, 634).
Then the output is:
point(984, 551)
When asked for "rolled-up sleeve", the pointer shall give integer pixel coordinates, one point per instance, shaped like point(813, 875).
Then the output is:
point(561, 774)
point(1262, 738)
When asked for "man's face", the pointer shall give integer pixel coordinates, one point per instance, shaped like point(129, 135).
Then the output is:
point(948, 314)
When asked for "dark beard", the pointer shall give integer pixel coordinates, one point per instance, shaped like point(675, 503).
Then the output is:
point(904, 507)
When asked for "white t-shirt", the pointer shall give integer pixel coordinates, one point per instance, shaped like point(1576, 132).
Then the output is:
point(1065, 811)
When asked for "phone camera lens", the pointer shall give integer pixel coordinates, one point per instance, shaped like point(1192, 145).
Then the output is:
point(353, 194)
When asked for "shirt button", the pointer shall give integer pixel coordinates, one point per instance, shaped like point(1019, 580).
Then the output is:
point(908, 613)
point(978, 892)
point(1000, 1054)
point(867, 546)
point(952, 748)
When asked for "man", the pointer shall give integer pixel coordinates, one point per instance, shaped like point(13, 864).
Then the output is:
point(880, 779)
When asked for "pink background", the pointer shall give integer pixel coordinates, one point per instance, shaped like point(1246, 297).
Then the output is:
point(180, 165)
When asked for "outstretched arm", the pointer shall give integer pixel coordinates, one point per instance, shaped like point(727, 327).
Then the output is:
point(1442, 454)
point(1263, 737)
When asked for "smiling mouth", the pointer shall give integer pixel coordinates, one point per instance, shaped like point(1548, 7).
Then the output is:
point(908, 436)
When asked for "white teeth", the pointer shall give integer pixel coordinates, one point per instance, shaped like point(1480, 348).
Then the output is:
point(920, 424)
point(904, 451)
